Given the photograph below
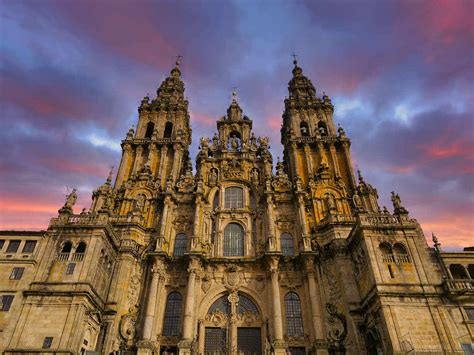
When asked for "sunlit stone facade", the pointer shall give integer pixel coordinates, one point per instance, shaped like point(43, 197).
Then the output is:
point(243, 255)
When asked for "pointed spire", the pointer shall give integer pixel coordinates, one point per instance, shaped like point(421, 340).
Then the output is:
point(109, 178)
point(436, 243)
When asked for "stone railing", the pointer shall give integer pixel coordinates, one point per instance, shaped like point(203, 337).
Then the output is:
point(396, 258)
point(459, 285)
point(63, 256)
point(77, 257)
point(83, 219)
point(336, 218)
point(381, 219)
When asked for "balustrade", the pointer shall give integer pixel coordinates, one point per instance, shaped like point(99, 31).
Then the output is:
point(396, 258)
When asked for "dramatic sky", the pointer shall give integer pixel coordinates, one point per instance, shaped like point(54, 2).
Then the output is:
point(400, 74)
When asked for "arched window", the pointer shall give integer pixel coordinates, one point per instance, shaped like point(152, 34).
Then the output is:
point(322, 129)
point(180, 244)
point(172, 321)
point(304, 129)
point(149, 129)
point(233, 240)
point(81, 248)
point(294, 317)
point(221, 305)
point(168, 130)
point(457, 271)
point(385, 248)
point(246, 305)
point(399, 249)
point(67, 247)
point(234, 197)
point(287, 245)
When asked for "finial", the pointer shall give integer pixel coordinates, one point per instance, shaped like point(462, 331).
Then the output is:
point(436, 243)
point(109, 178)
point(295, 62)
point(178, 62)
point(361, 178)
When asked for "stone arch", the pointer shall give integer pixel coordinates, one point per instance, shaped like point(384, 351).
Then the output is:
point(385, 248)
point(168, 130)
point(66, 246)
point(81, 247)
point(209, 299)
point(150, 126)
point(400, 249)
point(322, 128)
point(304, 129)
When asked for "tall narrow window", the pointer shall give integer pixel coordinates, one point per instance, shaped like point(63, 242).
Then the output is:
point(81, 248)
point(180, 244)
point(233, 240)
point(172, 322)
point(294, 317)
point(168, 130)
point(149, 129)
point(47, 342)
point(2, 242)
point(287, 245)
point(234, 197)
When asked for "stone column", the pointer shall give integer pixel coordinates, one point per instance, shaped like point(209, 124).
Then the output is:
point(279, 345)
point(177, 157)
point(332, 149)
point(197, 225)
point(303, 224)
point(138, 158)
point(347, 154)
point(162, 165)
point(190, 301)
point(271, 225)
point(152, 155)
point(151, 305)
point(127, 149)
point(315, 299)
point(309, 162)
point(161, 235)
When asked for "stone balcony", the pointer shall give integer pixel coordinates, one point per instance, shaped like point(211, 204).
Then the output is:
point(459, 286)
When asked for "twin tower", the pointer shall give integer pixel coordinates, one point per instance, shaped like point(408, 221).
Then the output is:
point(235, 258)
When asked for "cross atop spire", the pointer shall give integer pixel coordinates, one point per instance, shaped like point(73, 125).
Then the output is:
point(178, 59)
point(295, 62)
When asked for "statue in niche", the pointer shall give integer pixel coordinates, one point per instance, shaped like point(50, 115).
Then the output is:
point(215, 140)
point(254, 176)
point(139, 203)
point(331, 203)
point(357, 202)
point(212, 177)
point(234, 144)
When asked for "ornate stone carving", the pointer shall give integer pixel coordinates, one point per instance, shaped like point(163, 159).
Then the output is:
point(337, 327)
point(232, 169)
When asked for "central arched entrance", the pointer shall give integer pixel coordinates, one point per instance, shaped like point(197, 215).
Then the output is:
point(232, 325)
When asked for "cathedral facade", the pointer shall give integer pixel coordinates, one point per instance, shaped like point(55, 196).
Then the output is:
point(244, 256)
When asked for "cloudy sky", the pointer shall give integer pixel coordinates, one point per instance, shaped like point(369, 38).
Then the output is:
point(400, 74)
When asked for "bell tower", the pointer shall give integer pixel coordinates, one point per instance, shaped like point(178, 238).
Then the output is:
point(317, 154)
point(160, 144)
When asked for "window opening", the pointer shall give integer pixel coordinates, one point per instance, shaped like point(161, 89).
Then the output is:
point(287, 244)
point(6, 303)
point(168, 130)
point(13, 246)
point(149, 129)
point(29, 246)
point(233, 240)
point(70, 268)
point(17, 273)
point(180, 244)
point(234, 197)
point(47, 342)
point(294, 317)
point(390, 271)
point(172, 322)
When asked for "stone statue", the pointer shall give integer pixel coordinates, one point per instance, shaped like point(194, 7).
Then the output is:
point(234, 144)
point(253, 141)
point(357, 201)
point(215, 140)
point(397, 203)
point(212, 177)
point(331, 202)
point(254, 176)
point(71, 199)
point(139, 203)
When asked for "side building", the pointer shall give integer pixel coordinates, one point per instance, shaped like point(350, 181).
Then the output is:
point(243, 256)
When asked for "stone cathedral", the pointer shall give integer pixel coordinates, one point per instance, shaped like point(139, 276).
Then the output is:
point(243, 256)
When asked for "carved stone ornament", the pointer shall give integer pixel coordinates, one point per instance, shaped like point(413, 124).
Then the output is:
point(233, 278)
point(233, 169)
point(181, 223)
point(127, 326)
point(186, 182)
point(206, 284)
point(337, 327)
point(281, 182)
